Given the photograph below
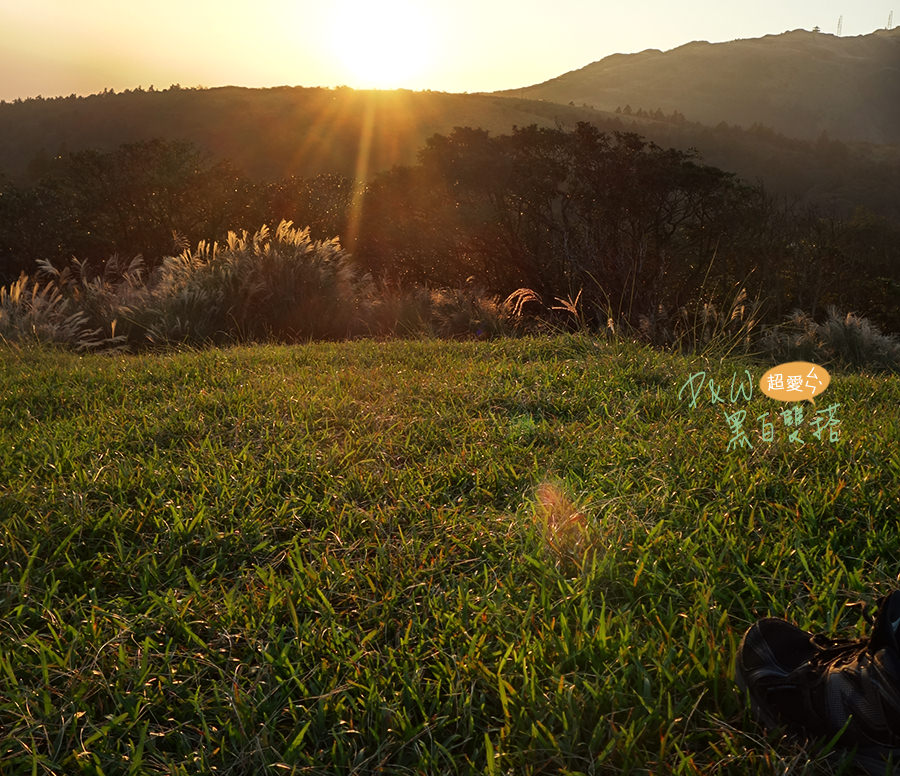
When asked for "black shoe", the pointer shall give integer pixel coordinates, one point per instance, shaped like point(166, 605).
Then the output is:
point(820, 688)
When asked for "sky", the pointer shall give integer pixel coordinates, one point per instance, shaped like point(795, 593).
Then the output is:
point(61, 47)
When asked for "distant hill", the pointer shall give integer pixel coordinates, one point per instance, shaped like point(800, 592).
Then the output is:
point(267, 133)
point(271, 134)
point(799, 83)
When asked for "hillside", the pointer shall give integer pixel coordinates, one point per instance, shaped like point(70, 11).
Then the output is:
point(271, 134)
point(799, 83)
point(268, 133)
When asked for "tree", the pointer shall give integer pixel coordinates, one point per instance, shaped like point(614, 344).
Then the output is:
point(147, 198)
point(628, 223)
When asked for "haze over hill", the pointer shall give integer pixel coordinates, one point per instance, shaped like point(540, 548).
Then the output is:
point(799, 83)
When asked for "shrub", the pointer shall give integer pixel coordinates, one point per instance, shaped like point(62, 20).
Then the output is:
point(267, 286)
point(400, 312)
point(444, 312)
point(845, 339)
point(31, 312)
point(280, 286)
point(467, 312)
point(100, 298)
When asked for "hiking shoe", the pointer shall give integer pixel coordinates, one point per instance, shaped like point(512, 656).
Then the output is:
point(816, 687)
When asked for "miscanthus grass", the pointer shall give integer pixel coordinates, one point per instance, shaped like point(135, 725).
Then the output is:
point(513, 557)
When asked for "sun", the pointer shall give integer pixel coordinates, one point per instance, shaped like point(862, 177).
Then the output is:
point(382, 44)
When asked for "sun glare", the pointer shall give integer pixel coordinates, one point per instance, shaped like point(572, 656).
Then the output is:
point(382, 44)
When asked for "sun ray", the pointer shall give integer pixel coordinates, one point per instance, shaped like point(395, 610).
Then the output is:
point(361, 174)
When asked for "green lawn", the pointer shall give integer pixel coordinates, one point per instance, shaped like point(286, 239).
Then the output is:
point(331, 558)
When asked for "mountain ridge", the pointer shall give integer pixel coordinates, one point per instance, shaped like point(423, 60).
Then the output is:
point(799, 83)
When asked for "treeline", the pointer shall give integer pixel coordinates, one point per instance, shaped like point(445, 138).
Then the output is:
point(274, 133)
point(153, 199)
point(642, 233)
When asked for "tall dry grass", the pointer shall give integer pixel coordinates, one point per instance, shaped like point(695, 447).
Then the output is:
point(277, 285)
point(280, 285)
point(38, 312)
point(843, 339)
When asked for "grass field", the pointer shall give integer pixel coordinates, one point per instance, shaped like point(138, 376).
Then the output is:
point(340, 559)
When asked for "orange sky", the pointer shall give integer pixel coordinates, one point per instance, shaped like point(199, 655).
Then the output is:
point(59, 47)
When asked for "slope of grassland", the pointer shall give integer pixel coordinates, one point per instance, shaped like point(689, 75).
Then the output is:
point(331, 558)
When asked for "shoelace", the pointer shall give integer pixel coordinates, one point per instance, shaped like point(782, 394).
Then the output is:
point(833, 652)
point(838, 652)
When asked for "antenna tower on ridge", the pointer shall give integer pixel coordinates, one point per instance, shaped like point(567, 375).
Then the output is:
point(840, 25)
point(890, 20)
